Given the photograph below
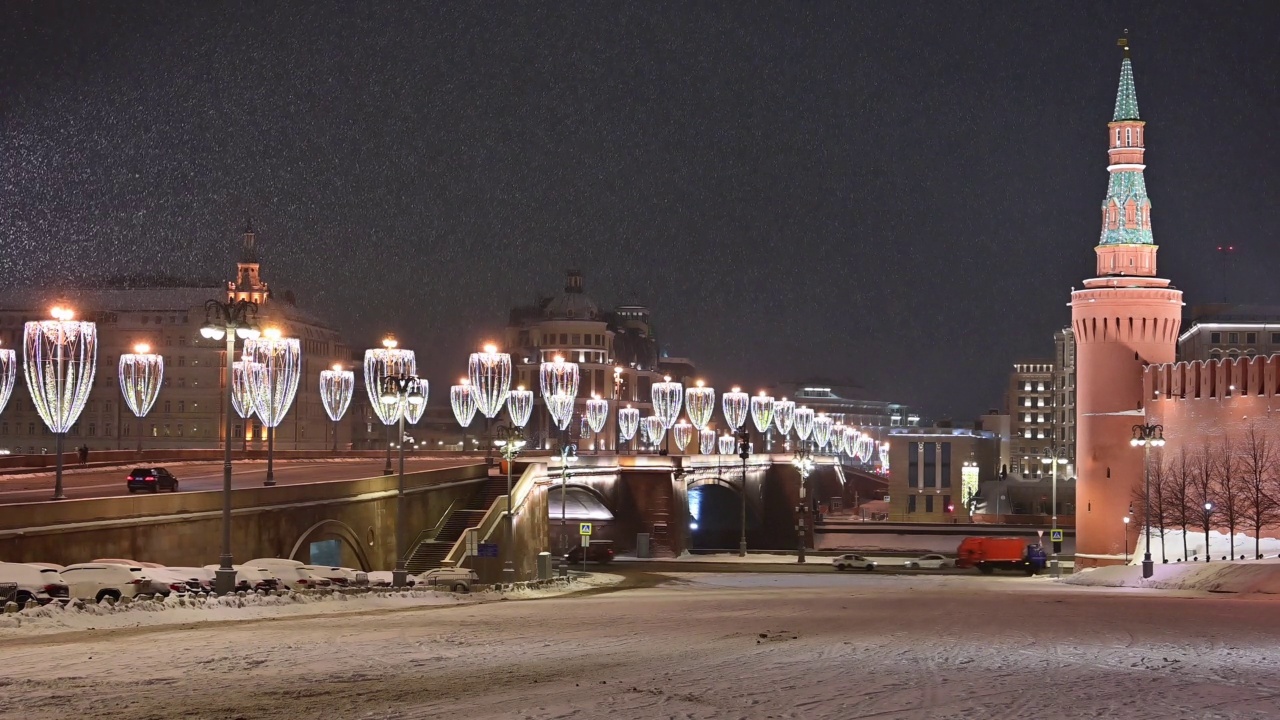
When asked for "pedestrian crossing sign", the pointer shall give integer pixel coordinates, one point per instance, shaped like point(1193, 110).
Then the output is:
point(1055, 535)
point(584, 528)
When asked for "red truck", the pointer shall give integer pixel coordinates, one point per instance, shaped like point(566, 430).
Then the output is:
point(989, 554)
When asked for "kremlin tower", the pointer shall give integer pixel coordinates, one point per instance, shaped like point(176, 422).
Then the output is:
point(1124, 319)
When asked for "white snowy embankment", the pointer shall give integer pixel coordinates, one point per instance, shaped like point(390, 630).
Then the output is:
point(174, 610)
point(1243, 577)
point(1220, 545)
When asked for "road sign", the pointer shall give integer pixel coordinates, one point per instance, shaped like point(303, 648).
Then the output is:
point(1055, 535)
point(586, 542)
point(487, 550)
point(584, 528)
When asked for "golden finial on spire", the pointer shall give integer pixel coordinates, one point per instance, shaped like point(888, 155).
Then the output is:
point(1124, 42)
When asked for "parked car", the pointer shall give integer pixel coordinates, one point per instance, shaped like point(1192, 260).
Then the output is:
point(96, 581)
point(459, 580)
point(248, 577)
point(152, 479)
point(932, 561)
point(32, 584)
point(599, 551)
point(291, 574)
point(851, 562)
point(340, 576)
point(162, 581)
point(198, 579)
point(383, 578)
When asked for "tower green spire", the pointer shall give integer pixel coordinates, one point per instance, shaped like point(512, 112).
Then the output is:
point(1126, 96)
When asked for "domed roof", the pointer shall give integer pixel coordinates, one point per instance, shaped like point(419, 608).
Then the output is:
point(573, 303)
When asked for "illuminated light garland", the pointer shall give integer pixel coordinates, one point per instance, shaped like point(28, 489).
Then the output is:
point(413, 410)
point(822, 430)
point(337, 386)
point(379, 363)
point(726, 444)
point(274, 389)
point(735, 404)
point(242, 378)
point(707, 441)
point(141, 373)
point(462, 398)
point(837, 438)
point(628, 423)
point(682, 432)
point(884, 456)
point(762, 412)
point(784, 416)
point(59, 358)
point(668, 398)
point(8, 375)
point(520, 406)
point(654, 430)
point(804, 423)
point(490, 375)
point(851, 438)
point(867, 447)
point(700, 404)
point(584, 427)
point(559, 380)
point(597, 413)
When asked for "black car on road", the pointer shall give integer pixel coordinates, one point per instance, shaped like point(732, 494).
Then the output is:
point(151, 479)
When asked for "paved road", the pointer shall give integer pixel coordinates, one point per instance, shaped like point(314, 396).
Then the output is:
point(204, 476)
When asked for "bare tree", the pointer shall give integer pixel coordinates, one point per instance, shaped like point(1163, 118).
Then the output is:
point(1159, 476)
point(1202, 485)
point(1258, 458)
point(1179, 495)
point(1228, 488)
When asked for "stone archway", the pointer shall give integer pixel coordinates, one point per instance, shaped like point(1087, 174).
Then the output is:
point(340, 530)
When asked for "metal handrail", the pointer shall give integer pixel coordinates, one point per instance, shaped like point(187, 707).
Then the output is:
point(430, 533)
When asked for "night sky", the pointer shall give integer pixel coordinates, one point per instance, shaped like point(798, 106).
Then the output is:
point(898, 194)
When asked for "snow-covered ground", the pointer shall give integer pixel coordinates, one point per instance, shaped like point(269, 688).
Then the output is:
point(693, 646)
point(1220, 545)
point(1241, 576)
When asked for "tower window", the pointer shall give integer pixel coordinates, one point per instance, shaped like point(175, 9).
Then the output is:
point(1128, 136)
point(1233, 337)
point(1251, 338)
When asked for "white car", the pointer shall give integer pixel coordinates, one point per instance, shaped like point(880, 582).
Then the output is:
point(248, 577)
point(291, 573)
point(345, 577)
point(33, 584)
point(163, 582)
point(853, 562)
point(933, 561)
point(459, 580)
point(96, 581)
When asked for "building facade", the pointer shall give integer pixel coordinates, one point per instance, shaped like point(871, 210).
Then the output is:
point(167, 315)
point(935, 473)
point(1124, 319)
point(1031, 417)
point(1228, 332)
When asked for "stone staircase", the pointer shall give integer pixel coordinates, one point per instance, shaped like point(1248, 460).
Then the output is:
point(430, 553)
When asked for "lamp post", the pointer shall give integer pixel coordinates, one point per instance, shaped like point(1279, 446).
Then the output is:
point(490, 374)
point(230, 320)
point(1147, 437)
point(617, 408)
point(403, 390)
point(568, 454)
point(242, 378)
point(744, 452)
point(803, 463)
point(510, 442)
point(274, 388)
point(596, 416)
point(1054, 458)
point(1126, 539)
point(387, 361)
point(668, 398)
point(8, 375)
point(762, 418)
point(336, 388)
point(1208, 511)
point(60, 356)
point(141, 373)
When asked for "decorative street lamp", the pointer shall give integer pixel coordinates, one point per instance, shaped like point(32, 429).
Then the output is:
point(141, 373)
point(762, 417)
point(510, 442)
point(706, 441)
point(60, 357)
point(1146, 437)
point(462, 398)
point(617, 404)
point(520, 406)
point(230, 320)
point(1208, 512)
point(822, 425)
point(804, 465)
point(559, 381)
point(273, 389)
point(628, 423)
point(243, 373)
point(387, 361)
point(804, 424)
point(568, 454)
point(655, 429)
point(336, 388)
point(8, 375)
point(744, 452)
point(1126, 539)
point(403, 390)
point(596, 416)
point(784, 417)
point(490, 374)
point(1054, 458)
point(735, 404)
point(682, 433)
point(726, 444)
point(700, 404)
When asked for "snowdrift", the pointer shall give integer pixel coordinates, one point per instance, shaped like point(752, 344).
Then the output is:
point(1243, 577)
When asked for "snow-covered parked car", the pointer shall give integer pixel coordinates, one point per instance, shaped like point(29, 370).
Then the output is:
point(852, 562)
point(97, 581)
point(459, 580)
point(291, 574)
point(249, 577)
point(345, 577)
point(932, 561)
point(32, 584)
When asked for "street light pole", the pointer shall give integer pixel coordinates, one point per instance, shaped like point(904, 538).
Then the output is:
point(744, 452)
point(803, 462)
point(401, 389)
point(229, 319)
point(510, 444)
point(568, 454)
point(1147, 436)
point(1208, 510)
